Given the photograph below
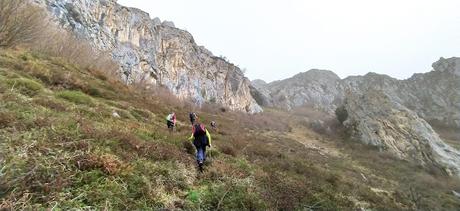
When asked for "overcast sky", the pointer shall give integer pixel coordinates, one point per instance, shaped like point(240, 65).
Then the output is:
point(277, 39)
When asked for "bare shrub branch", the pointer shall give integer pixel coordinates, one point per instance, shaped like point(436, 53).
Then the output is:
point(63, 44)
point(20, 23)
point(25, 24)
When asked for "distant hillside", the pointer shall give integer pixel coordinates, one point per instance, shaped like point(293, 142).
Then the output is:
point(382, 111)
point(435, 96)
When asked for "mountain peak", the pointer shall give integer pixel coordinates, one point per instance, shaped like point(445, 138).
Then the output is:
point(451, 65)
point(318, 73)
point(258, 82)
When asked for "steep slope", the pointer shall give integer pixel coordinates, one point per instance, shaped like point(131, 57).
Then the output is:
point(63, 147)
point(151, 52)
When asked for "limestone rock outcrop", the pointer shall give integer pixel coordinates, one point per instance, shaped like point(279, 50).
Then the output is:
point(391, 114)
point(318, 88)
point(260, 92)
point(434, 96)
point(376, 119)
point(152, 52)
point(451, 65)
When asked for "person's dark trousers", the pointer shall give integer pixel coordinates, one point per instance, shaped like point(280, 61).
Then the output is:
point(170, 124)
point(200, 154)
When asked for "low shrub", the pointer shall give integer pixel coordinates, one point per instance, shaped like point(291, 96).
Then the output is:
point(188, 146)
point(6, 119)
point(141, 115)
point(107, 163)
point(233, 195)
point(50, 103)
point(3, 86)
point(22, 23)
point(341, 114)
point(25, 86)
point(229, 150)
point(93, 91)
point(66, 80)
point(75, 97)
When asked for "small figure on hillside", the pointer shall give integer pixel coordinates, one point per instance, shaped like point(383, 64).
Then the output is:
point(171, 121)
point(115, 114)
point(201, 139)
point(213, 125)
point(193, 117)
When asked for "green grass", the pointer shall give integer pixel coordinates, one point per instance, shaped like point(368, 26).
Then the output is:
point(62, 148)
point(75, 97)
point(25, 86)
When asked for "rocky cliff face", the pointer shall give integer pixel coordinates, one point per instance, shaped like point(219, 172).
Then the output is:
point(434, 96)
point(382, 111)
point(152, 52)
point(318, 88)
point(260, 92)
point(376, 119)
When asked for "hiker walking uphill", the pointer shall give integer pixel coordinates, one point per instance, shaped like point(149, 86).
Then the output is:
point(201, 139)
point(171, 121)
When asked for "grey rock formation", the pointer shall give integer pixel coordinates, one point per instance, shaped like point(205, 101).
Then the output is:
point(260, 92)
point(451, 65)
point(321, 89)
point(385, 112)
point(259, 84)
point(168, 24)
point(156, 21)
point(153, 52)
point(376, 119)
point(434, 96)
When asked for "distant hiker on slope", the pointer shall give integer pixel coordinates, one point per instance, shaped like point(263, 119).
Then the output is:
point(171, 121)
point(193, 117)
point(214, 125)
point(201, 139)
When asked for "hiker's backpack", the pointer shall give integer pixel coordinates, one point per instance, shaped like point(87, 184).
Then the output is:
point(169, 117)
point(199, 130)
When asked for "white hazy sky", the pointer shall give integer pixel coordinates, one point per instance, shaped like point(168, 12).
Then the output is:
point(277, 39)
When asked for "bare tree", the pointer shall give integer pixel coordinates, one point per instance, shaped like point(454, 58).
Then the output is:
point(20, 23)
point(25, 24)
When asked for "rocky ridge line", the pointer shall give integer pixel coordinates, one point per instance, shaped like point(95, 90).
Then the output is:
point(390, 114)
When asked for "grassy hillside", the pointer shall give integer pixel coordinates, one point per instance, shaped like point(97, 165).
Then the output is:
point(62, 148)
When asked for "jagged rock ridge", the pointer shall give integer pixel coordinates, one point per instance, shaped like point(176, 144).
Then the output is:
point(318, 88)
point(434, 96)
point(153, 52)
